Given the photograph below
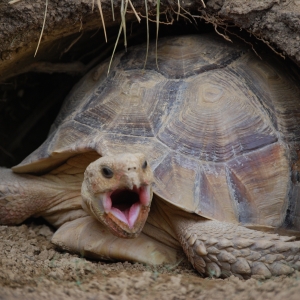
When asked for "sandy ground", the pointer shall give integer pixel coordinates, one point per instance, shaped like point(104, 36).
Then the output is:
point(32, 268)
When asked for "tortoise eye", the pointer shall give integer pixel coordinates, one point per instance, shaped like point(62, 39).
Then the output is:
point(145, 164)
point(107, 172)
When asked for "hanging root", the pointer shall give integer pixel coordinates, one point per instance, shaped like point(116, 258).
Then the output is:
point(218, 22)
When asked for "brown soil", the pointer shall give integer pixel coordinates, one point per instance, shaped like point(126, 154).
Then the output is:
point(273, 21)
point(31, 268)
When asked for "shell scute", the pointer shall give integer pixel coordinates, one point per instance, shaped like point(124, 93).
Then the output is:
point(278, 93)
point(260, 183)
point(215, 121)
point(215, 199)
point(176, 178)
point(184, 57)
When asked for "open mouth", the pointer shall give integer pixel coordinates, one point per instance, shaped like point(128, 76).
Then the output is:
point(125, 204)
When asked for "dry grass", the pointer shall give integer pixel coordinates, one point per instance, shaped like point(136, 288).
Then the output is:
point(44, 22)
point(217, 22)
point(124, 5)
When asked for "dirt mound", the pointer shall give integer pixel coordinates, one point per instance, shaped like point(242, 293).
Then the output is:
point(31, 268)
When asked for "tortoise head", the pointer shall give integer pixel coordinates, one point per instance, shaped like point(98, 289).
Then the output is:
point(117, 191)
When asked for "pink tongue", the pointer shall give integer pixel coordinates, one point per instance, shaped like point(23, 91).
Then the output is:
point(133, 213)
point(128, 216)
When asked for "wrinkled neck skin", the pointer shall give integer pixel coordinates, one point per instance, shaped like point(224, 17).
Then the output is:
point(169, 220)
point(117, 191)
point(170, 224)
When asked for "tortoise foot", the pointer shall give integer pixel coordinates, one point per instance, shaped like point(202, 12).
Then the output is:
point(219, 249)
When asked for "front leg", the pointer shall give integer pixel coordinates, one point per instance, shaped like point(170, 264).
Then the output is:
point(50, 195)
point(90, 238)
point(56, 195)
point(21, 196)
point(222, 249)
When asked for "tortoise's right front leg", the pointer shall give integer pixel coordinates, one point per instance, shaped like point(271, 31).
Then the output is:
point(222, 249)
point(22, 195)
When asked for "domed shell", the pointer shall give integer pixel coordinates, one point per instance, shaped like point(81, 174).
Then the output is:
point(220, 127)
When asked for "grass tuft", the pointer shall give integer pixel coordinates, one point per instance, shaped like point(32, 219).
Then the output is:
point(118, 37)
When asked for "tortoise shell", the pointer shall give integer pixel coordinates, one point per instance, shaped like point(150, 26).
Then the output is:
point(219, 125)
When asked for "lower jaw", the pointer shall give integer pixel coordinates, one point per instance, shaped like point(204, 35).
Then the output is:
point(122, 230)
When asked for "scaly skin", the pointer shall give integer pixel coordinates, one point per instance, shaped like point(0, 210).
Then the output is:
point(22, 196)
point(55, 196)
point(222, 249)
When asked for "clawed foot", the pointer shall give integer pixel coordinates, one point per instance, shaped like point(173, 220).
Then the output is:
point(219, 249)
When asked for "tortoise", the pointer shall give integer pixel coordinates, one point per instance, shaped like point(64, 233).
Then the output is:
point(209, 139)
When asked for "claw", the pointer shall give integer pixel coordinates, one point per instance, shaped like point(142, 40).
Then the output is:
point(200, 248)
point(199, 264)
point(213, 270)
point(192, 239)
